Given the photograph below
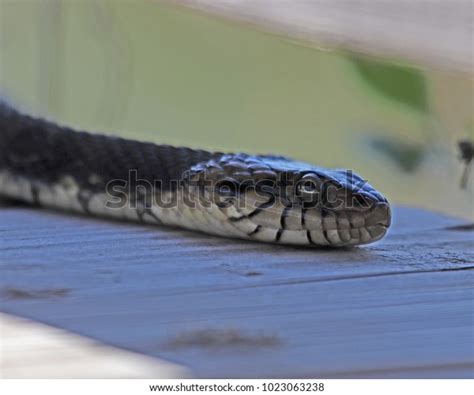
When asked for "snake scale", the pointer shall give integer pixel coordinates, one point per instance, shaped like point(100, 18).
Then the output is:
point(259, 197)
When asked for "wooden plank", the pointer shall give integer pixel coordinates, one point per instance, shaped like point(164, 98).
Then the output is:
point(33, 350)
point(429, 33)
point(402, 307)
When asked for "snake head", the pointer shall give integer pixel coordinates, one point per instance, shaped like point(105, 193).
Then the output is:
point(276, 199)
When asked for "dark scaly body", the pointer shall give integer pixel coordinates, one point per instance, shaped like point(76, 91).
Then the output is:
point(53, 166)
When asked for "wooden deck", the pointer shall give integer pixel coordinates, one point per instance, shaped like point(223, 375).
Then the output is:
point(29, 349)
point(403, 307)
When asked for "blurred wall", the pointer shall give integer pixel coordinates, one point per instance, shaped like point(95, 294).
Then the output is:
point(154, 72)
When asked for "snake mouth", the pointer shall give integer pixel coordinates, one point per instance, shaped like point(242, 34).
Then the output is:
point(377, 221)
point(273, 221)
point(379, 215)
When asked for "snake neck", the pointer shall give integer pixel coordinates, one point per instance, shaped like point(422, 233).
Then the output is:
point(46, 152)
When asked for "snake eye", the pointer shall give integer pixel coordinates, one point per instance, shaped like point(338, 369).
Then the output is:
point(309, 187)
point(308, 190)
point(309, 184)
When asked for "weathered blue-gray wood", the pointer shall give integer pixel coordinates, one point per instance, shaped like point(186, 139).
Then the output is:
point(403, 307)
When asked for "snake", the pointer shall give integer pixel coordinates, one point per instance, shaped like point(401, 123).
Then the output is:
point(265, 198)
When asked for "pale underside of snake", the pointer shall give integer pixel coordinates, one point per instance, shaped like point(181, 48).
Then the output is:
point(258, 197)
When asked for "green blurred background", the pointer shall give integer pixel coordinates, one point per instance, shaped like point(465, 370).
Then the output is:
point(157, 72)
